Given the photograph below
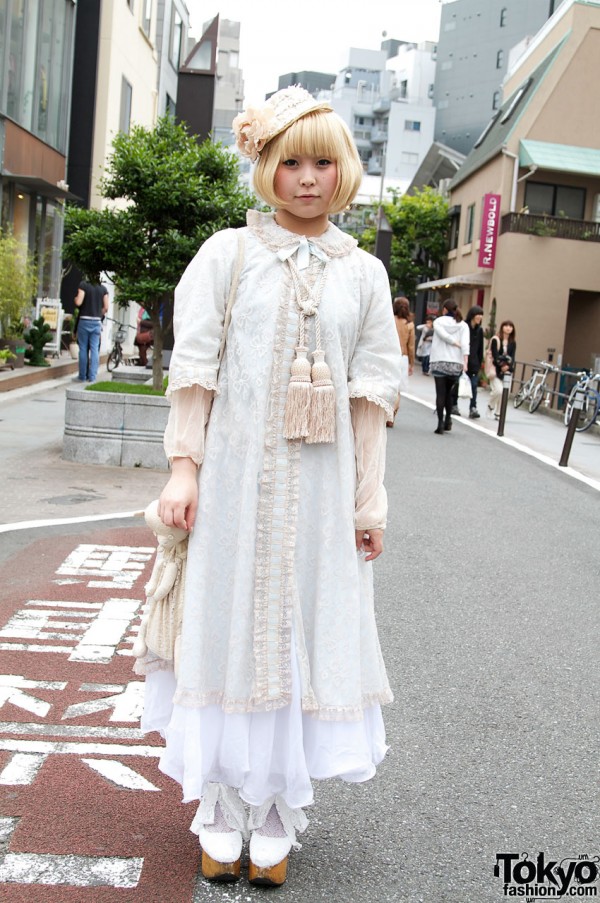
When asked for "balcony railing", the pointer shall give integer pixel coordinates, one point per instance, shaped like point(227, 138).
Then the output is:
point(550, 226)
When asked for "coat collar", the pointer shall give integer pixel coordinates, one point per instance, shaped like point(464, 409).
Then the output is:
point(333, 242)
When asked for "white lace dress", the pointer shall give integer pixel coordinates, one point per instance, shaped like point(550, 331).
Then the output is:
point(280, 675)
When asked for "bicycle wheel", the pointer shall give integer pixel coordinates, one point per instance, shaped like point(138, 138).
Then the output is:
point(523, 393)
point(114, 359)
point(569, 405)
point(536, 398)
point(589, 411)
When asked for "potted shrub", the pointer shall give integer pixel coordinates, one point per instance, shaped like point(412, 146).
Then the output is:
point(7, 359)
point(18, 281)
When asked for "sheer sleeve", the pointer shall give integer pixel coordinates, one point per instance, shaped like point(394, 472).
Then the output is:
point(368, 423)
point(184, 435)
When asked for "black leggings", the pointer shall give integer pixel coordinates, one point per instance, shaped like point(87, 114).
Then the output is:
point(443, 394)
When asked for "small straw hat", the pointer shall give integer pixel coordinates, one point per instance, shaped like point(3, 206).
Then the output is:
point(257, 125)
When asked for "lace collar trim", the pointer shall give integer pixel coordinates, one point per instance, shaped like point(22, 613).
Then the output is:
point(332, 242)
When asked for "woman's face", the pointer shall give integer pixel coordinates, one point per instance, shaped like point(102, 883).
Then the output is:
point(507, 329)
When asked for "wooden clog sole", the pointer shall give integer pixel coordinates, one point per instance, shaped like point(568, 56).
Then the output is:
point(273, 876)
point(219, 871)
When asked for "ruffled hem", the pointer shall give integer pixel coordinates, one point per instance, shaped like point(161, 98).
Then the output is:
point(261, 754)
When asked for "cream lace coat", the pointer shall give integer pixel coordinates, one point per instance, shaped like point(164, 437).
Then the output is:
point(272, 558)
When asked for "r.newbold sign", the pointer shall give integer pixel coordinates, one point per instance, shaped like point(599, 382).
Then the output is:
point(489, 230)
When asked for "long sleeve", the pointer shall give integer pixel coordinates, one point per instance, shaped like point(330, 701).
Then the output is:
point(184, 435)
point(370, 438)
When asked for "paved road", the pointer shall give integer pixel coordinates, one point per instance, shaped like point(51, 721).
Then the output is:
point(487, 606)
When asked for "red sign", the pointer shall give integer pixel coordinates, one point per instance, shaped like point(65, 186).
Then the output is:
point(489, 230)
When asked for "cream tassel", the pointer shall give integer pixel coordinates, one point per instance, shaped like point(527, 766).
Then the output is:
point(321, 422)
point(298, 400)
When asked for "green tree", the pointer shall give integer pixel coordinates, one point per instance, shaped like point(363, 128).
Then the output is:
point(171, 194)
point(18, 282)
point(420, 238)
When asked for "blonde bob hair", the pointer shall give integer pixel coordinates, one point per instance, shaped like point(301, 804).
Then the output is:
point(321, 134)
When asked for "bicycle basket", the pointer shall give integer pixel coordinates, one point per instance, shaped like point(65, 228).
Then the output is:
point(119, 333)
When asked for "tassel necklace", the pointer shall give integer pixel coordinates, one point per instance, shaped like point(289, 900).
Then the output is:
point(310, 403)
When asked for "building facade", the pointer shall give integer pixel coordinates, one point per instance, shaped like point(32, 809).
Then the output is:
point(388, 105)
point(526, 202)
point(473, 51)
point(36, 63)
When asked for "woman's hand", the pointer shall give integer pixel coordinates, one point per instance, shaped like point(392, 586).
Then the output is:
point(178, 501)
point(371, 541)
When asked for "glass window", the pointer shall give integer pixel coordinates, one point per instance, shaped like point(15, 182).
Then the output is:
point(147, 16)
point(499, 59)
point(496, 100)
point(176, 40)
point(469, 224)
point(503, 13)
point(125, 114)
point(555, 200)
point(454, 229)
point(130, 4)
point(412, 125)
point(170, 106)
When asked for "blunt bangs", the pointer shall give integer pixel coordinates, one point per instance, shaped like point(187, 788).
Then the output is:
point(318, 134)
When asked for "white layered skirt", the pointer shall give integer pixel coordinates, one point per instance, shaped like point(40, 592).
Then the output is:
point(261, 754)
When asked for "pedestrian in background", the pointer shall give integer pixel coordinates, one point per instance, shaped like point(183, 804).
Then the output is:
point(503, 346)
point(473, 321)
point(424, 344)
point(449, 357)
point(280, 678)
point(92, 301)
point(406, 335)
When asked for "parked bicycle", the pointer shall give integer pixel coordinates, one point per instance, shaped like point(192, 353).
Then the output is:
point(590, 397)
point(116, 355)
point(533, 389)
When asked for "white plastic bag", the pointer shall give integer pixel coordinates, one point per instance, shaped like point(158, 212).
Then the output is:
point(465, 389)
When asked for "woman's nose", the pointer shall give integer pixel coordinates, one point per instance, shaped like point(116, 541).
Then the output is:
point(307, 176)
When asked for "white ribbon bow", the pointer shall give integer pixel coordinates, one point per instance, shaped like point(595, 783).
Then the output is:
point(305, 248)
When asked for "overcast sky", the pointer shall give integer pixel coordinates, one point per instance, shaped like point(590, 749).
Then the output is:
point(278, 36)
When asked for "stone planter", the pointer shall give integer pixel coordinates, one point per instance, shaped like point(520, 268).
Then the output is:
point(110, 428)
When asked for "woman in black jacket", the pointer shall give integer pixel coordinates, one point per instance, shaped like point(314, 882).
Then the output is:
point(473, 321)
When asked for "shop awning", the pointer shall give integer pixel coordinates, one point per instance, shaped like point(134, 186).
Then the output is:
point(584, 161)
point(41, 186)
point(465, 280)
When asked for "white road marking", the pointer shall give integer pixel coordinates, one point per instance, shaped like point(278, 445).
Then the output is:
point(118, 566)
point(85, 731)
point(13, 685)
point(120, 774)
point(127, 704)
point(22, 768)
point(57, 522)
point(71, 871)
point(95, 637)
point(58, 747)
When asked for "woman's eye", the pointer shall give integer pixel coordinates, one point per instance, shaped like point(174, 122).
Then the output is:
point(324, 162)
point(289, 162)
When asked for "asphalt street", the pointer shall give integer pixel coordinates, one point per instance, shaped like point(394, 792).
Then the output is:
point(486, 600)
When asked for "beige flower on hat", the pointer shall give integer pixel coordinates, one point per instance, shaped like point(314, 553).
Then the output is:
point(253, 129)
